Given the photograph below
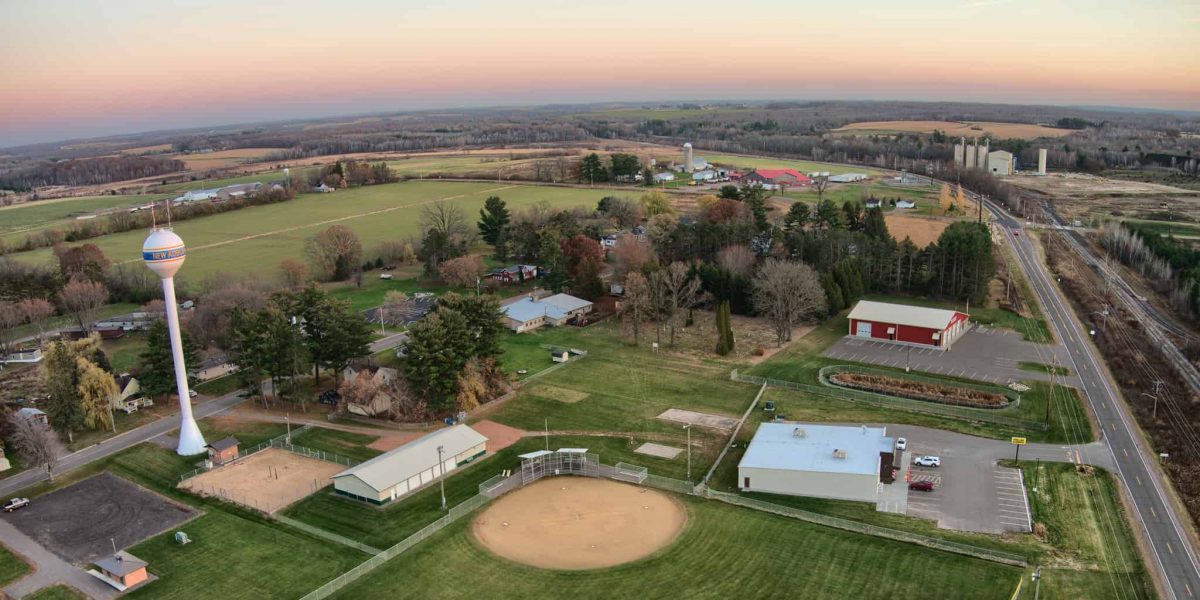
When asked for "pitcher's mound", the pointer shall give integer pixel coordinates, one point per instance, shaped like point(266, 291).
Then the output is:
point(579, 523)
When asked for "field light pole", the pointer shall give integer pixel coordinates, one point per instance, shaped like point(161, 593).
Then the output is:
point(287, 418)
point(688, 429)
point(442, 479)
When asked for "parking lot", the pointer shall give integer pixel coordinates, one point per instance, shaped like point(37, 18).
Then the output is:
point(970, 491)
point(983, 353)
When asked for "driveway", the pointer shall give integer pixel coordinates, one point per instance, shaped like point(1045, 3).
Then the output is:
point(48, 568)
point(984, 354)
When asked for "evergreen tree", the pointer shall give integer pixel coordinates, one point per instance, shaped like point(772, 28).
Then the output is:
point(156, 365)
point(875, 225)
point(724, 330)
point(494, 219)
point(483, 322)
point(60, 372)
point(591, 170)
point(439, 346)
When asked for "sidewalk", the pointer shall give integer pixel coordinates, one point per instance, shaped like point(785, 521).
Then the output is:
point(49, 569)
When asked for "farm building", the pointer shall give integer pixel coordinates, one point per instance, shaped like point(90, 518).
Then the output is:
point(513, 273)
point(33, 414)
point(847, 178)
point(772, 178)
point(905, 204)
point(405, 469)
point(121, 570)
point(664, 177)
point(23, 355)
point(239, 190)
point(901, 323)
point(529, 312)
point(1000, 163)
point(823, 461)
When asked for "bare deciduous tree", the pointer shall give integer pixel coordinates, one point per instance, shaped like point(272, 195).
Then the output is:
point(81, 298)
point(336, 252)
point(35, 311)
point(787, 293)
point(445, 218)
point(637, 300)
point(679, 290)
point(293, 273)
point(631, 255)
point(820, 183)
point(34, 443)
point(10, 319)
point(462, 271)
point(738, 260)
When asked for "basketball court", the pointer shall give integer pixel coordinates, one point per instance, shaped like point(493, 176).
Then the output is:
point(267, 481)
point(579, 523)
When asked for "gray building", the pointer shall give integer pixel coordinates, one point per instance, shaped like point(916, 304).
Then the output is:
point(822, 461)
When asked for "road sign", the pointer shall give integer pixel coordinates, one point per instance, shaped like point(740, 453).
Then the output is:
point(1018, 441)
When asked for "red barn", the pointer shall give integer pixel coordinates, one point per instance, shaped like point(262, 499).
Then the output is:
point(777, 177)
point(918, 325)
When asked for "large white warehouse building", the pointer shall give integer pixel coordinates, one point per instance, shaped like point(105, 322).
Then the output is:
point(824, 461)
point(405, 469)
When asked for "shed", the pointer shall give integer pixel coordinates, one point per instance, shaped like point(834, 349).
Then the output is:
point(223, 451)
point(121, 570)
point(406, 469)
point(34, 414)
point(901, 323)
point(823, 461)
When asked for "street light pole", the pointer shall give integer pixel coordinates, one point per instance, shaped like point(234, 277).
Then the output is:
point(287, 418)
point(442, 479)
point(688, 429)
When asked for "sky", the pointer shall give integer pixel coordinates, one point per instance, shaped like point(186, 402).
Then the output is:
point(84, 68)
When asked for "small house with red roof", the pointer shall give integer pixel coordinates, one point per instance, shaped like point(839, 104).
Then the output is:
point(772, 178)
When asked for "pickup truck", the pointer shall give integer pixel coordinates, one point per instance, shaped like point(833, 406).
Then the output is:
point(15, 503)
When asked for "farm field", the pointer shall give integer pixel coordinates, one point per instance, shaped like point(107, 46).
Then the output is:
point(741, 545)
point(665, 156)
point(20, 220)
point(968, 129)
point(253, 241)
point(221, 159)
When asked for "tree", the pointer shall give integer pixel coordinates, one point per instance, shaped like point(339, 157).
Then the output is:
point(61, 373)
point(81, 262)
point(483, 322)
point(624, 213)
point(820, 183)
point(827, 216)
point(724, 329)
point(578, 249)
point(725, 210)
point(730, 192)
point(472, 387)
point(625, 166)
point(439, 346)
point(81, 298)
point(97, 389)
point(787, 293)
point(35, 311)
point(10, 319)
point(156, 364)
point(408, 255)
point(463, 271)
point(331, 332)
point(336, 252)
point(945, 199)
point(293, 273)
point(33, 442)
point(591, 169)
point(637, 300)
point(875, 226)
point(797, 217)
point(679, 290)
point(361, 390)
point(630, 254)
point(494, 218)
point(587, 283)
point(960, 200)
point(738, 260)
point(654, 203)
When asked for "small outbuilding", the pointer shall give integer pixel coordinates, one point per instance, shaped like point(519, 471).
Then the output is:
point(822, 461)
point(399, 472)
point(34, 414)
point(905, 324)
point(223, 451)
point(121, 570)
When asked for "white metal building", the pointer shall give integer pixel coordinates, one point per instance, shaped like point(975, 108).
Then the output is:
point(405, 469)
point(823, 461)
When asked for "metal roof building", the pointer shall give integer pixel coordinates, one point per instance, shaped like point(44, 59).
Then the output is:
point(825, 461)
point(403, 470)
point(902, 323)
point(530, 313)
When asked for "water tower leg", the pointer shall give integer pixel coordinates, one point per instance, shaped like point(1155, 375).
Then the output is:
point(191, 441)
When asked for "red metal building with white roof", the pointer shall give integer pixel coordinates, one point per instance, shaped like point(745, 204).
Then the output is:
point(901, 323)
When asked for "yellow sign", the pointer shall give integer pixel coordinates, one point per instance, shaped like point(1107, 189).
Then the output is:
point(1018, 441)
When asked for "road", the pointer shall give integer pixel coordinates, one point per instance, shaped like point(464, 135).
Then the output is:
point(1171, 556)
point(388, 342)
point(116, 444)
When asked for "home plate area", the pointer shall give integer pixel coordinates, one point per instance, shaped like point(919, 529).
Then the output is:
point(659, 450)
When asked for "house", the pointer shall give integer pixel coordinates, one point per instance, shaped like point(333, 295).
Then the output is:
point(823, 461)
point(905, 204)
point(610, 240)
point(1000, 163)
point(121, 570)
point(514, 274)
point(904, 324)
point(529, 313)
point(323, 189)
point(399, 472)
point(196, 196)
point(847, 178)
point(872, 203)
point(381, 402)
point(34, 414)
point(128, 397)
point(223, 451)
point(772, 178)
point(664, 177)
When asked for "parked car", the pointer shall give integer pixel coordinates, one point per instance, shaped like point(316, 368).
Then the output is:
point(15, 503)
point(928, 461)
point(920, 486)
point(901, 444)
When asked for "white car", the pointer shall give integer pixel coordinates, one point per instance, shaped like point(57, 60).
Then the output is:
point(901, 444)
point(15, 503)
point(927, 461)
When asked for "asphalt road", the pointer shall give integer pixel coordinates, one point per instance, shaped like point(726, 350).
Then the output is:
point(1171, 556)
point(116, 444)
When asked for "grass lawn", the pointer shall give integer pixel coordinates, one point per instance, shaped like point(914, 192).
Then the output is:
point(1044, 368)
point(124, 353)
point(724, 552)
point(760, 162)
point(346, 443)
point(12, 567)
point(57, 592)
point(220, 243)
point(218, 387)
point(20, 220)
point(108, 310)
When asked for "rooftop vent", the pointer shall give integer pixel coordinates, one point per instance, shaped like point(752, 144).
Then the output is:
point(839, 453)
point(799, 432)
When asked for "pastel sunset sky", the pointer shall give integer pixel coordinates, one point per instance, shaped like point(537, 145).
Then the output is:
point(78, 68)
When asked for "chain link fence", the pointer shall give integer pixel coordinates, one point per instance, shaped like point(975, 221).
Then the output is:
point(274, 442)
point(896, 402)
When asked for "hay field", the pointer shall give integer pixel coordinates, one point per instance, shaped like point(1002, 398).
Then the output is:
point(155, 149)
point(222, 159)
point(921, 230)
point(737, 161)
point(968, 129)
point(253, 241)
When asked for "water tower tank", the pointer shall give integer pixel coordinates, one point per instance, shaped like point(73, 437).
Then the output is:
point(163, 252)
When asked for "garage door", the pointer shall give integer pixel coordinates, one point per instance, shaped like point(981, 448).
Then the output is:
point(862, 329)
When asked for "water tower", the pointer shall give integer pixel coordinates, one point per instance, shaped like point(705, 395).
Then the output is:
point(163, 252)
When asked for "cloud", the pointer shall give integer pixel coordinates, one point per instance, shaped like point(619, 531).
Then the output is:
point(986, 3)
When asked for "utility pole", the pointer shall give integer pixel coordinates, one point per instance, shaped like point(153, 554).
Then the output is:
point(1053, 374)
point(442, 479)
point(688, 429)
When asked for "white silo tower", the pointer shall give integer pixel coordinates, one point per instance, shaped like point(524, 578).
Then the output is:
point(687, 157)
point(1041, 161)
point(163, 252)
